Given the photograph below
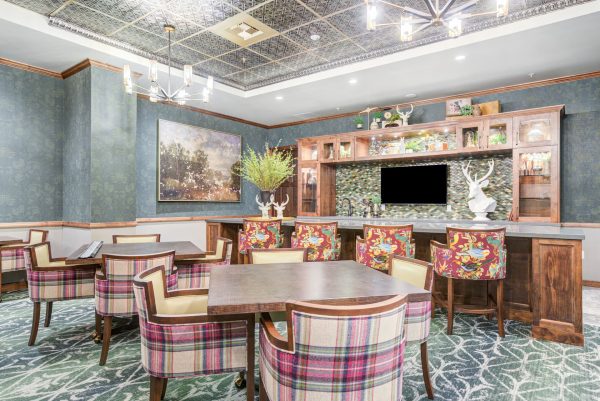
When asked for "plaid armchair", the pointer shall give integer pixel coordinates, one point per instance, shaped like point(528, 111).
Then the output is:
point(51, 279)
point(259, 234)
point(179, 339)
point(195, 273)
point(333, 353)
point(381, 242)
point(114, 288)
point(321, 240)
point(12, 256)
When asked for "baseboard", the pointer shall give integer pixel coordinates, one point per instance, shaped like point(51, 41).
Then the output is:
point(591, 283)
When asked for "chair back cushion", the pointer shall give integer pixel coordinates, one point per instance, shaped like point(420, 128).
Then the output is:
point(260, 234)
point(472, 255)
point(135, 239)
point(281, 255)
point(381, 242)
point(114, 291)
point(337, 358)
point(411, 272)
point(319, 238)
point(37, 236)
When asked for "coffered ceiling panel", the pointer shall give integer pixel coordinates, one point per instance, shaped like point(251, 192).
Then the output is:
point(337, 27)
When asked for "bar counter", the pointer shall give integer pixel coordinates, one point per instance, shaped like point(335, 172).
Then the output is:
point(543, 285)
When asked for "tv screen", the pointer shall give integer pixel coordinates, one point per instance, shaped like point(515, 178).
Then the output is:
point(415, 185)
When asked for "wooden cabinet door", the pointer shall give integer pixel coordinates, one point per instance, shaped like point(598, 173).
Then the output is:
point(345, 149)
point(536, 130)
point(469, 136)
point(498, 133)
point(308, 150)
point(327, 150)
point(308, 189)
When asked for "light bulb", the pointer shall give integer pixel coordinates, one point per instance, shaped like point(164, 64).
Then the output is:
point(455, 27)
point(126, 75)
point(210, 83)
point(501, 8)
point(205, 95)
point(154, 89)
point(153, 98)
point(153, 71)
point(406, 29)
point(181, 102)
point(371, 15)
point(182, 94)
point(187, 75)
point(128, 89)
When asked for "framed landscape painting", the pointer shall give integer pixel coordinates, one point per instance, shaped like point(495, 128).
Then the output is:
point(197, 164)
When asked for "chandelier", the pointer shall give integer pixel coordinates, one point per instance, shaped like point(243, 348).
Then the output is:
point(157, 93)
point(413, 20)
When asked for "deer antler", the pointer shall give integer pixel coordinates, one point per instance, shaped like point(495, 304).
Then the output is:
point(491, 164)
point(287, 200)
point(407, 113)
point(261, 204)
point(465, 171)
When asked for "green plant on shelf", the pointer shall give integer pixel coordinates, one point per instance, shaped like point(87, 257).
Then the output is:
point(376, 199)
point(498, 138)
point(466, 110)
point(358, 120)
point(378, 115)
point(414, 145)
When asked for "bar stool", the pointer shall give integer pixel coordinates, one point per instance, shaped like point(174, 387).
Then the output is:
point(258, 233)
point(472, 254)
point(381, 242)
point(321, 240)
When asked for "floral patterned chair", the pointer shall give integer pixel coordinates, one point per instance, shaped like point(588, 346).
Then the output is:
point(51, 279)
point(418, 314)
point(472, 255)
point(114, 288)
point(12, 257)
point(321, 240)
point(381, 242)
point(195, 273)
point(178, 338)
point(135, 239)
point(258, 233)
point(332, 352)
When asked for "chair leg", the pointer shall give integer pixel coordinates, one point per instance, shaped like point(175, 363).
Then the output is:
point(500, 307)
point(98, 327)
point(164, 389)
point(262, 394)
point(106, 340)
point(0, 279)
point(35, 323)
point(156, 388)
point(250, 358)
point(450, 306)
point(425, 369)
point(48, 314)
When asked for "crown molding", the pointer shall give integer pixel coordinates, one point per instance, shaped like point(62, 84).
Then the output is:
point(30, 68)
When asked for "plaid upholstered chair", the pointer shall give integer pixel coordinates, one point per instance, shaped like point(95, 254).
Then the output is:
point(114, 288)
point(179, 339)
point(321, 240)
point(195, 273)
point(418, 314)
point(381, 242)
point(333, 352)
point(472, 255)
point(135, 239)
point(279, 255)
point(51, 280)
point(258, 233)
point(12, 256)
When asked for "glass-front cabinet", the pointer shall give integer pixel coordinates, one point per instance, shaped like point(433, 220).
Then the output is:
point(345, 148)
point(535, 184)
point(498, 133)
point(470, 135)
point(327, 149)
point(308, 150)
point(308, 195)
point(536, 129)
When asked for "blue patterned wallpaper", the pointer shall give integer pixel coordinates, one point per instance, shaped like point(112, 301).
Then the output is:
point(31, 129)
point(146, 148)
point(580, 146)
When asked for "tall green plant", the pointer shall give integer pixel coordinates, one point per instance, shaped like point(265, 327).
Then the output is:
point(267, 170)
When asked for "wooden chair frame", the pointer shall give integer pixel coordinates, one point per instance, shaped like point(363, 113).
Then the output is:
point(221, 258)
point(158, 385)
point(116, 237)
point(258, 250)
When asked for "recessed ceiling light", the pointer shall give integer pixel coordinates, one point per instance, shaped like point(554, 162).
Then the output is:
point(531, 74)
point(411, 95)
point(279, 97)
point(353, 81)
point(460, 57)
point(315, 37)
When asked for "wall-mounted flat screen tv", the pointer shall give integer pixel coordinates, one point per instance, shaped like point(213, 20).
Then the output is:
point(415, 185)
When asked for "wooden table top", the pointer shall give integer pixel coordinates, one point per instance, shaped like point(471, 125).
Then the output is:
point(183, 250)
point(9, 240)
point(266, 288)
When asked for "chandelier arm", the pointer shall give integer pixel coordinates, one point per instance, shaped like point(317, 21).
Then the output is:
point(462, 7)
point(408, 10)
point(422, 27)
point(465, 16)
point(431, 8)
point(177, 91)
point(446, 7)
point(419, 21)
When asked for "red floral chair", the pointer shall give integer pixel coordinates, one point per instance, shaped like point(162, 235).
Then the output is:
point(381, 242)
point(258, 233)
point(321, 240)
point(51, 279)
point(12, 257)
point(180, 340)
point(195, 273)
point(471, 255)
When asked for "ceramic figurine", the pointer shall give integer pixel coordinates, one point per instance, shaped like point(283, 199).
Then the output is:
point(264, 207)
point(374, 124)
point(479, 203)
point(280, 207)
point(406, 115)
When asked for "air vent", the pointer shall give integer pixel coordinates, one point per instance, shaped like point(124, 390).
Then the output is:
point(243, 30)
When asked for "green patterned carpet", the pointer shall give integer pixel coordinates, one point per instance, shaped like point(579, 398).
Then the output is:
point(472, 365)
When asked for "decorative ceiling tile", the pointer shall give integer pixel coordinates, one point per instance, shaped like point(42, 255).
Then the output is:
point(339, 50)
point(216, 68)
point(271, 70)
point(142, 40)
point(246, 4)
point(324, 8)
point(88, 19)
point(282, 15)
point(244, 78)
point(203, 12)
point(244, 58)
point(39, 6)
point(303, 61)
point(155, 22)
point(209, 43)
point(127, 11)
point(351, 22)
point(276, 48)
point(380, 39)
point(327, 34)
point(182, 54)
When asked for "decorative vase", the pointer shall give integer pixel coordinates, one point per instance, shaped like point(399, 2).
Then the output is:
point(359, 126)
point(374, 125)
point(265, 203)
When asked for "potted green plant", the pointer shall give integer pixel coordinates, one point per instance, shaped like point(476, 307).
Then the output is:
point(413, 146)
point(392, 121)
point(378, 115)
point(359, 121)
point(267, 170)
point(466, 110)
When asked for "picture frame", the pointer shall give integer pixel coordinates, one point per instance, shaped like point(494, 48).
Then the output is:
point(453, 106)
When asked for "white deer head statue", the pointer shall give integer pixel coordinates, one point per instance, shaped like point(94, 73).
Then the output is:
point(404, 116)
point(264, 207)
point(479, 203)
point(280, 207)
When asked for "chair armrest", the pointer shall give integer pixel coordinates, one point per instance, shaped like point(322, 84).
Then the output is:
point(438, 244)
point(165, 319)
point(184, 262)
point(274, 337)
point(186, 292)
point(65, 267)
